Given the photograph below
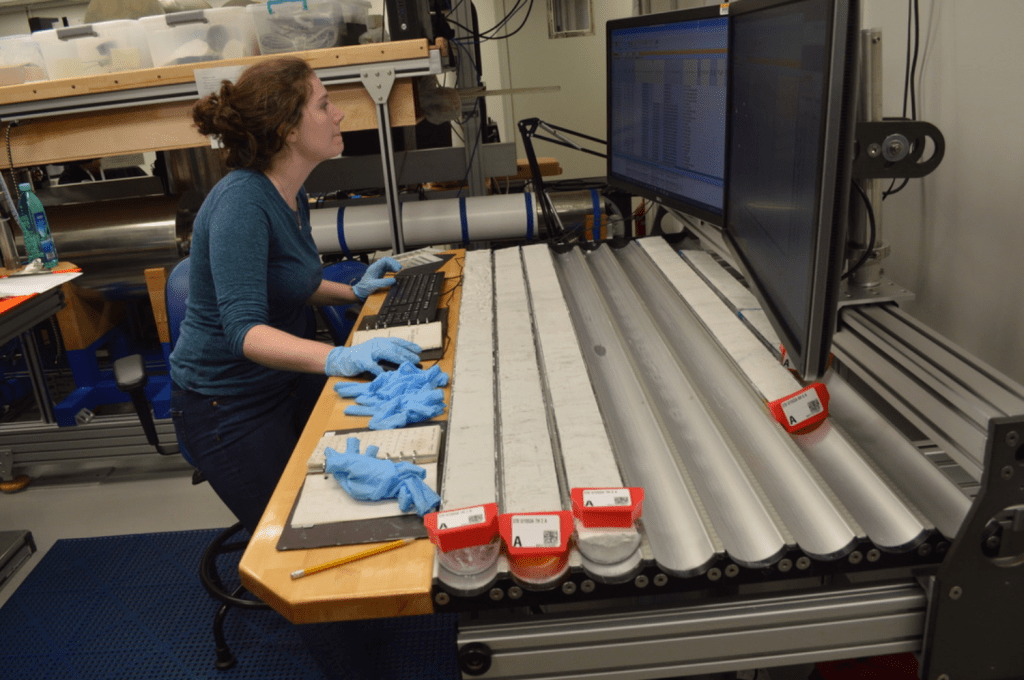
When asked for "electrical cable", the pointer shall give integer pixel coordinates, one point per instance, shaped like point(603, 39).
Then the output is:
point(871, 240)
point(910, 73)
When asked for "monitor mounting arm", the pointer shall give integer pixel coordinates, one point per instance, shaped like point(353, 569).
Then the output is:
point(528, 131)
point(893, 149)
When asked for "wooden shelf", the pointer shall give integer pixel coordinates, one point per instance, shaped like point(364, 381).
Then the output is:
point(149, 109)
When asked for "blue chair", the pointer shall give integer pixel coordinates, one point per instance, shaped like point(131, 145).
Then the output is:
point(340, 319)
point(130, 376)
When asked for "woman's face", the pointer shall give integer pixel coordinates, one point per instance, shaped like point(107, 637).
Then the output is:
point(318, 136)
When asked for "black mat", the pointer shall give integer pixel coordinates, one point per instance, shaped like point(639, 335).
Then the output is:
point(133, 607)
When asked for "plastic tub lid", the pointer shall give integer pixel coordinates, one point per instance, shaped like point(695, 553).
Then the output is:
point(463, 527)
point(607, 507)
point(537, 543)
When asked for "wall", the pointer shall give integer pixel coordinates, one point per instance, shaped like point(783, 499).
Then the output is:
point(955, 235)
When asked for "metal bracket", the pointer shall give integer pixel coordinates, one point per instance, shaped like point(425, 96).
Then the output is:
point(893, 149)
point(977, 596)
point(378, 82)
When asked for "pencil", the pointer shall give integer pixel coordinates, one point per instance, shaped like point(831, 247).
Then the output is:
point(352, 558)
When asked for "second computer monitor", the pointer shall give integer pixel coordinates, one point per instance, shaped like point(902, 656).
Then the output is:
point(792, 72)
point(666, 108)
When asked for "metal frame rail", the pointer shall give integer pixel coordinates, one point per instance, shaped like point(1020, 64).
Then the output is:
point(956, 605)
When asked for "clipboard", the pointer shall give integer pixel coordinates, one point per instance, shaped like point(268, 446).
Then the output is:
point(323, 514)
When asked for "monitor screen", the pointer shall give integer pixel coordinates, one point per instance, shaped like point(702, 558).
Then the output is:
point(791, 116)
point(666, 108)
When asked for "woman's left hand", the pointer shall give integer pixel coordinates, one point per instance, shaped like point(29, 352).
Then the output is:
point(373, 280)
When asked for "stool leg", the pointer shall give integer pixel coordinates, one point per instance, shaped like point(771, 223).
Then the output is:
point(225, 658)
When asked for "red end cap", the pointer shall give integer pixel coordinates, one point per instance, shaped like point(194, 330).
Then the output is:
point(802, 411)
point(608, 507)
point(536, 533)
point(462, 528)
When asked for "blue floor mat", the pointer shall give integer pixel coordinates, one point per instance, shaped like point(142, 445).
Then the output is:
point(133, 607)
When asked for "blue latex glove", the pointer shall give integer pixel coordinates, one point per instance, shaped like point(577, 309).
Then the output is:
point(373, 279)
point(363, 358)
point(368, 478)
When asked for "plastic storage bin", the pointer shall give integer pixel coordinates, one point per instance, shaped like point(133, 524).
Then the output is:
point(296, 25)
point(200, 35)
point(20, 60)
point(356, 15)
point(89, 49)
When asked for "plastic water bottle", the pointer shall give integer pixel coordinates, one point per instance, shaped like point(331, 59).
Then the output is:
point(33, 220)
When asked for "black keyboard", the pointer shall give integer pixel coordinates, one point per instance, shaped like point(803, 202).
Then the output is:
point(413, 299)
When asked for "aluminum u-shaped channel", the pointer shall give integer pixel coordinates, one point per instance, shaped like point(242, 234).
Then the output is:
point(740, 519)
point(675, 531)
point(816, 524)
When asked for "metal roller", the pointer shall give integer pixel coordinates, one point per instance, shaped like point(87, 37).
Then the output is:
point(114, 242)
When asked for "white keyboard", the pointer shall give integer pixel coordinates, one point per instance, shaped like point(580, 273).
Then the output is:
point(427, 335)
point(421, 256)
point(418, 445)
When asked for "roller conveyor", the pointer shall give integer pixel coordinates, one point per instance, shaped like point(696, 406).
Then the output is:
point(875, 535)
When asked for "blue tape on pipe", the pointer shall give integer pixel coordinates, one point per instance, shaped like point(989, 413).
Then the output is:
point(465, 221)
point(341, 231)
point(596, 201)
point(529, 217)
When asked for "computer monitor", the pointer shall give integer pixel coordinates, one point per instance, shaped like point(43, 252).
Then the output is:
point(666, 108)
point(792, 73)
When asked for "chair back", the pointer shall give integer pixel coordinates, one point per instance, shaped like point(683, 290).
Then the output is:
point(176, 298)
point(341, 318)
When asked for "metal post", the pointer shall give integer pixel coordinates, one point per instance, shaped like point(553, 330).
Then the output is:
point(870, 110)
point(378, 81)
point(38, 377)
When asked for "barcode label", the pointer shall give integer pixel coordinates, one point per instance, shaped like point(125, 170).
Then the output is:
point(452, 519)
point(536, 531)
point(604, 498)
point(802, 407)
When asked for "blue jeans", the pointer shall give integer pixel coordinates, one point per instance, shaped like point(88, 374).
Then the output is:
point(242, 443)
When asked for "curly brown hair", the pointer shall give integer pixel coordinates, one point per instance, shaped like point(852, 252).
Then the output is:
point(254, 115)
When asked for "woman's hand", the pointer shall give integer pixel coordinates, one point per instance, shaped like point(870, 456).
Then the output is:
point(373, 280)
point(363, 358)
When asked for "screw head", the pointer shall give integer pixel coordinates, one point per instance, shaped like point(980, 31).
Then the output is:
point(714, 573)
point(496, 594)
point(855, 557)
point(588, 586)
point(641, 581)
point(803, 563)
point(955, 592)
point(515, 592)
point(732, 570)
point(1006, 472)
point(785, 565)
point(568, 587)
point(442, 598)
point(660, 579)
point(1012, 438)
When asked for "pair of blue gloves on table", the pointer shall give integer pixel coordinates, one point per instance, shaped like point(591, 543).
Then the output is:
point(364, 357)
point(397, 398)
point(368, 478)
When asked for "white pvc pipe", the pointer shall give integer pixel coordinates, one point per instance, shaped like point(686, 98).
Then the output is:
point(361, 228)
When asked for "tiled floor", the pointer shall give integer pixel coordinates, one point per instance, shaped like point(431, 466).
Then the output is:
point(128, 495)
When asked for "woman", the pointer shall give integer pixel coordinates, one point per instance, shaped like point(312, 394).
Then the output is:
point(246, 375)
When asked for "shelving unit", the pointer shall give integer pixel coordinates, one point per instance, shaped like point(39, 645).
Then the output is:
point(148, 110)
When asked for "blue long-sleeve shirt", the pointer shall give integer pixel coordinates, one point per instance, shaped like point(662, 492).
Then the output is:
point(251, 263)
